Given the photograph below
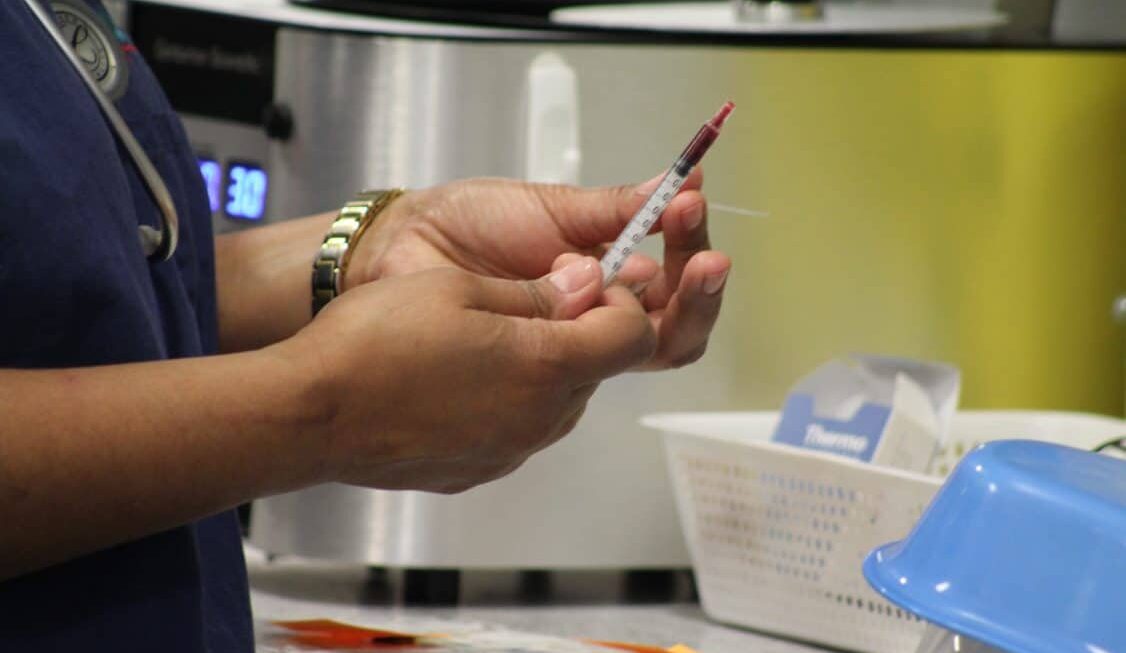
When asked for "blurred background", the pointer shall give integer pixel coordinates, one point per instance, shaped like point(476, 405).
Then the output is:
point(944, 180)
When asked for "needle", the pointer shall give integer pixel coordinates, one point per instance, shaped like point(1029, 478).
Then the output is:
point(724, 208)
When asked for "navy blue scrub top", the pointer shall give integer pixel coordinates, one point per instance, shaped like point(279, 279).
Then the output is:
point(77, 290)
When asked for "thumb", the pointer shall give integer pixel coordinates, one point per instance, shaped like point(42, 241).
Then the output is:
point(562, 295)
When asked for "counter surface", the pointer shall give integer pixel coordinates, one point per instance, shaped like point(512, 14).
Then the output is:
point(303, 590)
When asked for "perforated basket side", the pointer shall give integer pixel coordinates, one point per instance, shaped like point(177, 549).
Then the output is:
point(973, 427)
point(777, 536)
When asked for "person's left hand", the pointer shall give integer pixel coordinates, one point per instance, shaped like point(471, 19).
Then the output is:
point(516, 230)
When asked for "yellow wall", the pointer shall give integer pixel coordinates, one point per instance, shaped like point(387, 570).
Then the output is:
point(960, 205)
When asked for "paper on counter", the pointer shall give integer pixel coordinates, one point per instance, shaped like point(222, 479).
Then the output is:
point(317, 635)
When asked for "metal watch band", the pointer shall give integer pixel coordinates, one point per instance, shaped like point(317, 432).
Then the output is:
point(334, 253)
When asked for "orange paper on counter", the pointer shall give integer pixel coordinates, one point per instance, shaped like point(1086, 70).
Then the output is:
point(640, 648)
point(329, 633)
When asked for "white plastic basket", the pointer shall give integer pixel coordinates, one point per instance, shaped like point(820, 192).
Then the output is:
point(777, 533)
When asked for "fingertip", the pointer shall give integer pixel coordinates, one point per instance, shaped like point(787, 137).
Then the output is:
point(711, 261)
point(578, 284)
point(564, 259)
point(706, 273)
point(688, 211)
point(714, 283)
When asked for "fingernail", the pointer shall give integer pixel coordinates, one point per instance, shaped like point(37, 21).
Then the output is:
point(713, 282)
point(648, 187)
point(694, 217)
point(574, 276)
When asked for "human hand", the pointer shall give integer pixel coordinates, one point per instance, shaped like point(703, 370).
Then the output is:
point(443, 379)
point(516, 230)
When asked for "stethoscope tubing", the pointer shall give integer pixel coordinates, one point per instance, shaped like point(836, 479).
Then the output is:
point(157, 244)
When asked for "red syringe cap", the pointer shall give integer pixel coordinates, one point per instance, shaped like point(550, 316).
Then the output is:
point(721, 116)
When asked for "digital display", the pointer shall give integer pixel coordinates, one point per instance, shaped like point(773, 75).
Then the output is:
point(212, 178)
point(246, 191)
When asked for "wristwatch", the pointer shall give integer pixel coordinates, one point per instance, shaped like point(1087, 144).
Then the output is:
point(332, 258)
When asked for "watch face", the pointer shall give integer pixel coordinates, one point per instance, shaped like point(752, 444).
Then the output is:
point(94, 45)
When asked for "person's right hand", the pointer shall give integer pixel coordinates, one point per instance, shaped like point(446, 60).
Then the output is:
point(442, 379)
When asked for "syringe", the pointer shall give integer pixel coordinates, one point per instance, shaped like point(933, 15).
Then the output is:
point(639, 225)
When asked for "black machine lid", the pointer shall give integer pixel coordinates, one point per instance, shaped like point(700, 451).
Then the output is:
point(534, 15)
point(521, 13)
